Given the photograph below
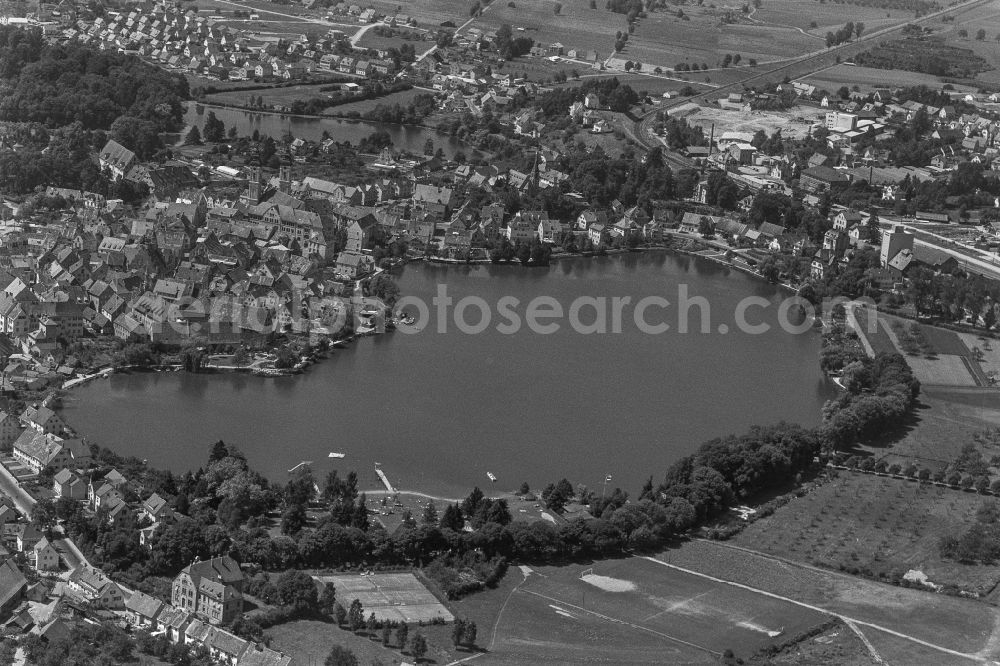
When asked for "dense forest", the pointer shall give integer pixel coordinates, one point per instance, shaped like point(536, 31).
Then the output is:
point(59, 85)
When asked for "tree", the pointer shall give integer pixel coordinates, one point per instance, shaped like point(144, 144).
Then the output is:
point(470, 633)
point(356, 616)
point(193, 137)
point(963, 33)
point(457, 632)
point(401, 633)
point(339, 614)
point(418, 647)
point(215, 129)
point(328, 600)
point(705, 227)
point(859, 28)
point(557, 8)
point(43, 514)
point(452, 518)
point(430, 515)
point(297, 590)
point(980, 34)
point(341, 656)
point(218, 452)
point(874, 229)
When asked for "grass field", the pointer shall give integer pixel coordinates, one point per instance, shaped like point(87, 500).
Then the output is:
point(828, 16)
point(877, 525)
point(945, 420)
point(270, 95)
point(985, 17)
point(659, 615)
point(363, 106)
point(868, 78)
point(949, 622)
point(577, 26)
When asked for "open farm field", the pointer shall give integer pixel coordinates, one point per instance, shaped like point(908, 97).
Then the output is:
point(827, 15)
point(636, 611)
point(370, 40)
point(270, 95)
point(363, 106)
point(984, 17)
point(950, 623)
point(945, 421)
point(868, 78)
point(875, 525)
point(428, 13)
point(577, 26)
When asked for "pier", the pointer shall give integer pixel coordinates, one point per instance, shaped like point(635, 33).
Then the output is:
point(385, 480)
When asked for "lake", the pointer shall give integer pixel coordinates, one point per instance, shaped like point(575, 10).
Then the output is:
point(404, 137)
point(440, 410)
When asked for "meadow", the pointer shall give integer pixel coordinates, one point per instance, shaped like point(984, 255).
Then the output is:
point(636, 611)
point(873, 525)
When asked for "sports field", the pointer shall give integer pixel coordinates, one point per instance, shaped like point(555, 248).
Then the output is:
point(395, 597)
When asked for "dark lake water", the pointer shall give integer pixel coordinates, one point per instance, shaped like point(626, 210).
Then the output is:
point(404, 137)
point(439, 411)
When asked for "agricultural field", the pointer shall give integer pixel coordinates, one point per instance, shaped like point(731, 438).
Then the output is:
point(936, 355)
point(949, 622)
point(869, 78)
point(827, 15)
point(402, 98)
point(636, 611)
point(428, 13)
point(878, 526)
point(371, 40)
point(271, 95)
point(946, 419)
point(982, 17)
point(577, 27)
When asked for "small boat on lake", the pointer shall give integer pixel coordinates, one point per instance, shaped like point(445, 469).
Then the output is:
point(337, 455)
point(491, 476)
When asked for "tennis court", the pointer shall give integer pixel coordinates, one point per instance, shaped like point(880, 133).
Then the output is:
point(395, 597)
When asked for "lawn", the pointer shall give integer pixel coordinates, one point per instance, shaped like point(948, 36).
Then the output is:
point(875, 525)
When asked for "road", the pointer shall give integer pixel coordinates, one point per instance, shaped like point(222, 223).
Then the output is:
point(12, 489)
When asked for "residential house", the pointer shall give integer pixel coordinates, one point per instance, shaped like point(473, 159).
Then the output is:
point(212, 589)
point(68, 484)
point(95, 587)
point(13, 585)
point(46, 557)
point(39, 451)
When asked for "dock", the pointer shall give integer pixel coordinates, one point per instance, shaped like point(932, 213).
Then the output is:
point(385, 480)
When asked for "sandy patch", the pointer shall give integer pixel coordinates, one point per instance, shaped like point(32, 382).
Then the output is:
point(609, 584)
